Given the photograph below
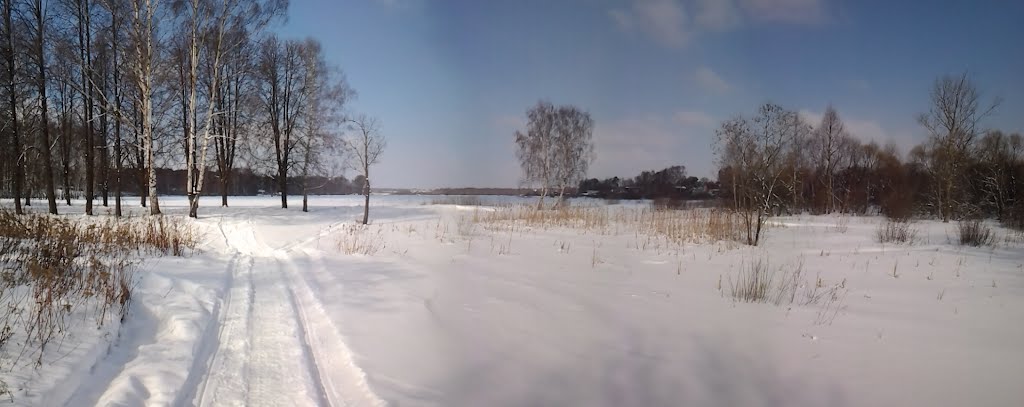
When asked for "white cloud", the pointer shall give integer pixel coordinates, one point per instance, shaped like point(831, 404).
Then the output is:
point(622, 19)
point(664, 20)
point(712, 81)
point(668, 22)
point(717, 15)
point(805, 12)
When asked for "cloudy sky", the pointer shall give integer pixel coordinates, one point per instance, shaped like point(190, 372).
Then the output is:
point(451, 79)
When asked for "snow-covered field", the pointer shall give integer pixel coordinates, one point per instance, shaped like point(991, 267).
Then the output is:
point(427, 308)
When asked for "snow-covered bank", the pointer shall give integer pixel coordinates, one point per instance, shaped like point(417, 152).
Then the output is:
point(446, 312)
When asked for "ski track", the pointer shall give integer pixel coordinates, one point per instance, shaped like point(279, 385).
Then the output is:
point(276, 345)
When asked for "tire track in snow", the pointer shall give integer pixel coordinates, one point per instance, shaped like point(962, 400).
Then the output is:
point(260, 359)
point(276, 345)
point(343, 382)
point(220, 385)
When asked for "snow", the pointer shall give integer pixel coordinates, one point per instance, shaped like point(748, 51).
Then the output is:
point(445, 313)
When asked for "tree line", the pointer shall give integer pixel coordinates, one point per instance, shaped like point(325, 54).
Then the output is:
point(774, 162)
point(670, 185)
point(102, 97)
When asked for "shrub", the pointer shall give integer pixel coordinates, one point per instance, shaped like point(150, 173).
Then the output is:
point(896, 231)
point(974, 233)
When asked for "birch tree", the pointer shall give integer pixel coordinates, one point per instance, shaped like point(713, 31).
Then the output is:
point(211, 33)
point(328, 93)
point(144, 34)
point(363, 150)
point(533, 148)
point(828, 142)
point(573, 147)
point(953, 123)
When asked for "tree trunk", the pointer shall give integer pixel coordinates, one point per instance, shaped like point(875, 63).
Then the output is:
point(154, 202)
point(117, 166)
point(305, 197)
point(366, 194)
point(223, 191)
point(51, 195)
point(282, 186)
point(193, 206)
point(19, 166)
point(87, 93)
point(65, 156)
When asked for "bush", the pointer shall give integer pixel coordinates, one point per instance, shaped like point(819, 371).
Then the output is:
point(974, 233)
point(896, 231)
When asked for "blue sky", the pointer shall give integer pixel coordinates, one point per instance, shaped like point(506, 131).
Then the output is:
point(451, 80)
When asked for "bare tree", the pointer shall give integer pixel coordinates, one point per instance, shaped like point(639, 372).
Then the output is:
point(114, 7)
point(11, 82)
point(828, 143)
point(209, 31)
point(364, 150)
point(39, 12)
point(953, 123)
point(755, 152)
point(83, 15)
point(144, 34)
point(573, 147)
point(533, 148)
point(998, 154)
point(282, 79)
point(328, 93)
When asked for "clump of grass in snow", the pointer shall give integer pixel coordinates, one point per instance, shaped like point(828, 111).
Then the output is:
point(842, 224)
point(360, 239)
point(974, 233)
point(757, 282)
point(754, 283)
point(896, 231)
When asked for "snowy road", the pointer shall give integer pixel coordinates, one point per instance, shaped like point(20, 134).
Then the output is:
point(275, 346)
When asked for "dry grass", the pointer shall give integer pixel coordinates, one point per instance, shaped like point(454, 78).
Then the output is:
point(757, 282)
point(674, 226)
point(360, 239)
point(754, 283)
point(58, 271)
point(897, 231)
point(974, 233)
point(842, 224)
